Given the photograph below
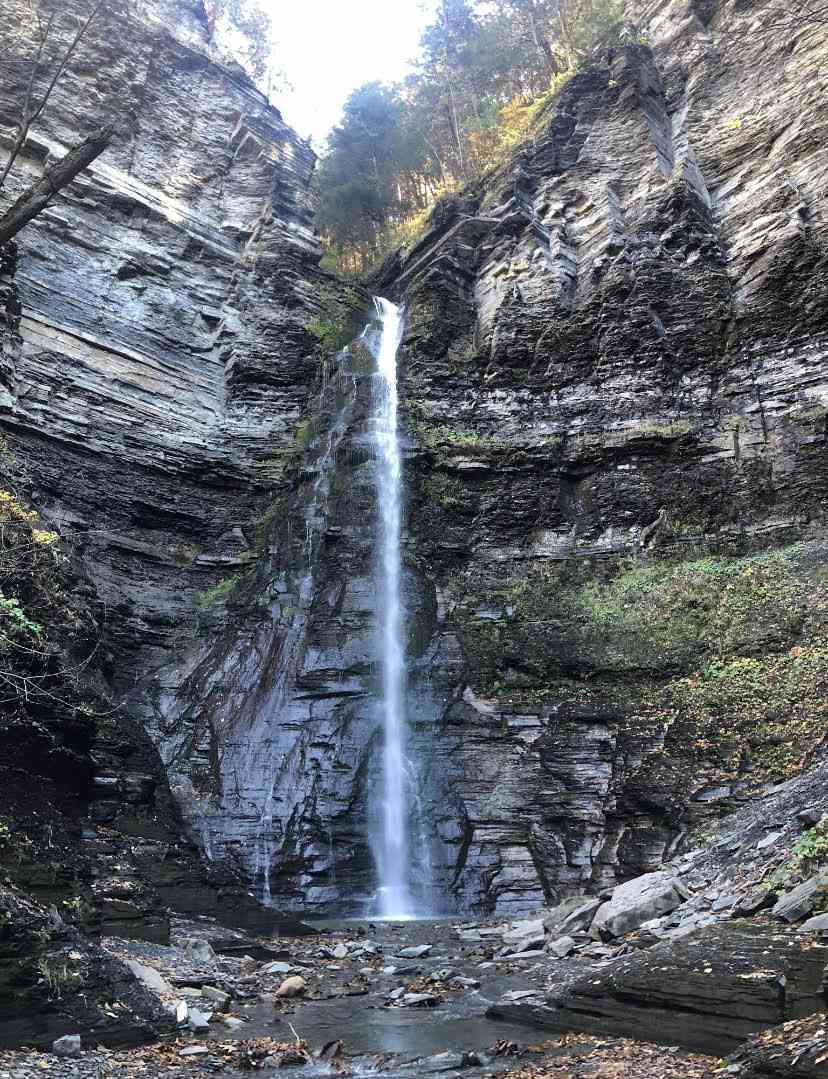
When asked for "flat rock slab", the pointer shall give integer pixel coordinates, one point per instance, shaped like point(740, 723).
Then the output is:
point(417, 951)
point(817, 924)
point(254, 949)
point(710, 990)
point(802, 900)
point(150, 977)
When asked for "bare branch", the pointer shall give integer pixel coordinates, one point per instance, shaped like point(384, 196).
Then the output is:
point(67, 56)
point(25, 118)
point(37, 197)
point(27, 115)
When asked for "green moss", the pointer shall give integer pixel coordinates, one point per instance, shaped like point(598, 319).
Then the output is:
point(723, 661)
point(302, 436)
point(457, 438)
point(334, 324)
point(332, 335)
point(446, 492)
point(218, 593)
point(728, 656)
point(769, 712)
point(578, 443)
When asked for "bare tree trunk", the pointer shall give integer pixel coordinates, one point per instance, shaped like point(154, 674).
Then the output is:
point(36, 198)
point(541, 40)
point(453, 121)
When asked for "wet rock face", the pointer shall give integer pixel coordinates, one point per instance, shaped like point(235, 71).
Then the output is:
point(153, 368)
point(276, 752)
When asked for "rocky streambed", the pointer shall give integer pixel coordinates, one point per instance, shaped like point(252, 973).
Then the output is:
point(361, 998)
point(716, 964)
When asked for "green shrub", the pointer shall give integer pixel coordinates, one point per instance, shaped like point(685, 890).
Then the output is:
point(807, 856)
point(14, 621)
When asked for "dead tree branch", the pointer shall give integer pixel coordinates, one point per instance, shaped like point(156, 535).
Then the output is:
point(29, 112)
point(37, 197)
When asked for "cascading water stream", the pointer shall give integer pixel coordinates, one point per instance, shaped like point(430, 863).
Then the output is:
point(391, 841)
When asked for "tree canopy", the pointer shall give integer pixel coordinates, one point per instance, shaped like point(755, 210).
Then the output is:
point(482, 69)
point(244, 29)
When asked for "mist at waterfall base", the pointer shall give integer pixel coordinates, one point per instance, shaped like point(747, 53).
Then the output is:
point(396, 841)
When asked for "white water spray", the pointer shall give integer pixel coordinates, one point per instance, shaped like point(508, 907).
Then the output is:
point(391, 842)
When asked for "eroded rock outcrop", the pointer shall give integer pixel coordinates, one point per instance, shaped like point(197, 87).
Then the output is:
point(710, 990)
point(54, 982)
point(616, 379)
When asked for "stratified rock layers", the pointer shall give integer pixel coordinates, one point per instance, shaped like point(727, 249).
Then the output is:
point(616, 354)
point(615, 347)
point(153, 386)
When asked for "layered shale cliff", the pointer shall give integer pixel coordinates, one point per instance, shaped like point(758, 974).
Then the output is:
point(616, 386)
point(614, 392)
point(155, 363)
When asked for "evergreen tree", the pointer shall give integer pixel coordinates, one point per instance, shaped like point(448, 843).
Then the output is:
point(482, 63)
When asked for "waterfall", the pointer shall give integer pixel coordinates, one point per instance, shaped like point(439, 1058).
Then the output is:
point(391, 841)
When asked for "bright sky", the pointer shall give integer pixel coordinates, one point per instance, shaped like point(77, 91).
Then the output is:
point(329, 47)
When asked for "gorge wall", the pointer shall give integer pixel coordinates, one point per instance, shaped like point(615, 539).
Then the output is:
point(614, 393)
point(616, 365)
point(155, 363)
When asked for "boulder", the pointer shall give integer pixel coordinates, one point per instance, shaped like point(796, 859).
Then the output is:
point(562, 947)
point(525, 936)
point(217, 998)
point(67, 1046)
point(232, 1022)
point(817, 924)
point(754, 901)
point(292, 987)
point(198, 1021)
point(420, 1000)
point(637, 901)
point(199, 951)
point(802, 900)
point(574, 913)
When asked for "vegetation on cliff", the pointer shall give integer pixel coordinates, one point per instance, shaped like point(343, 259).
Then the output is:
point(484, 73)
point(49, 701)
point(727, 656)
